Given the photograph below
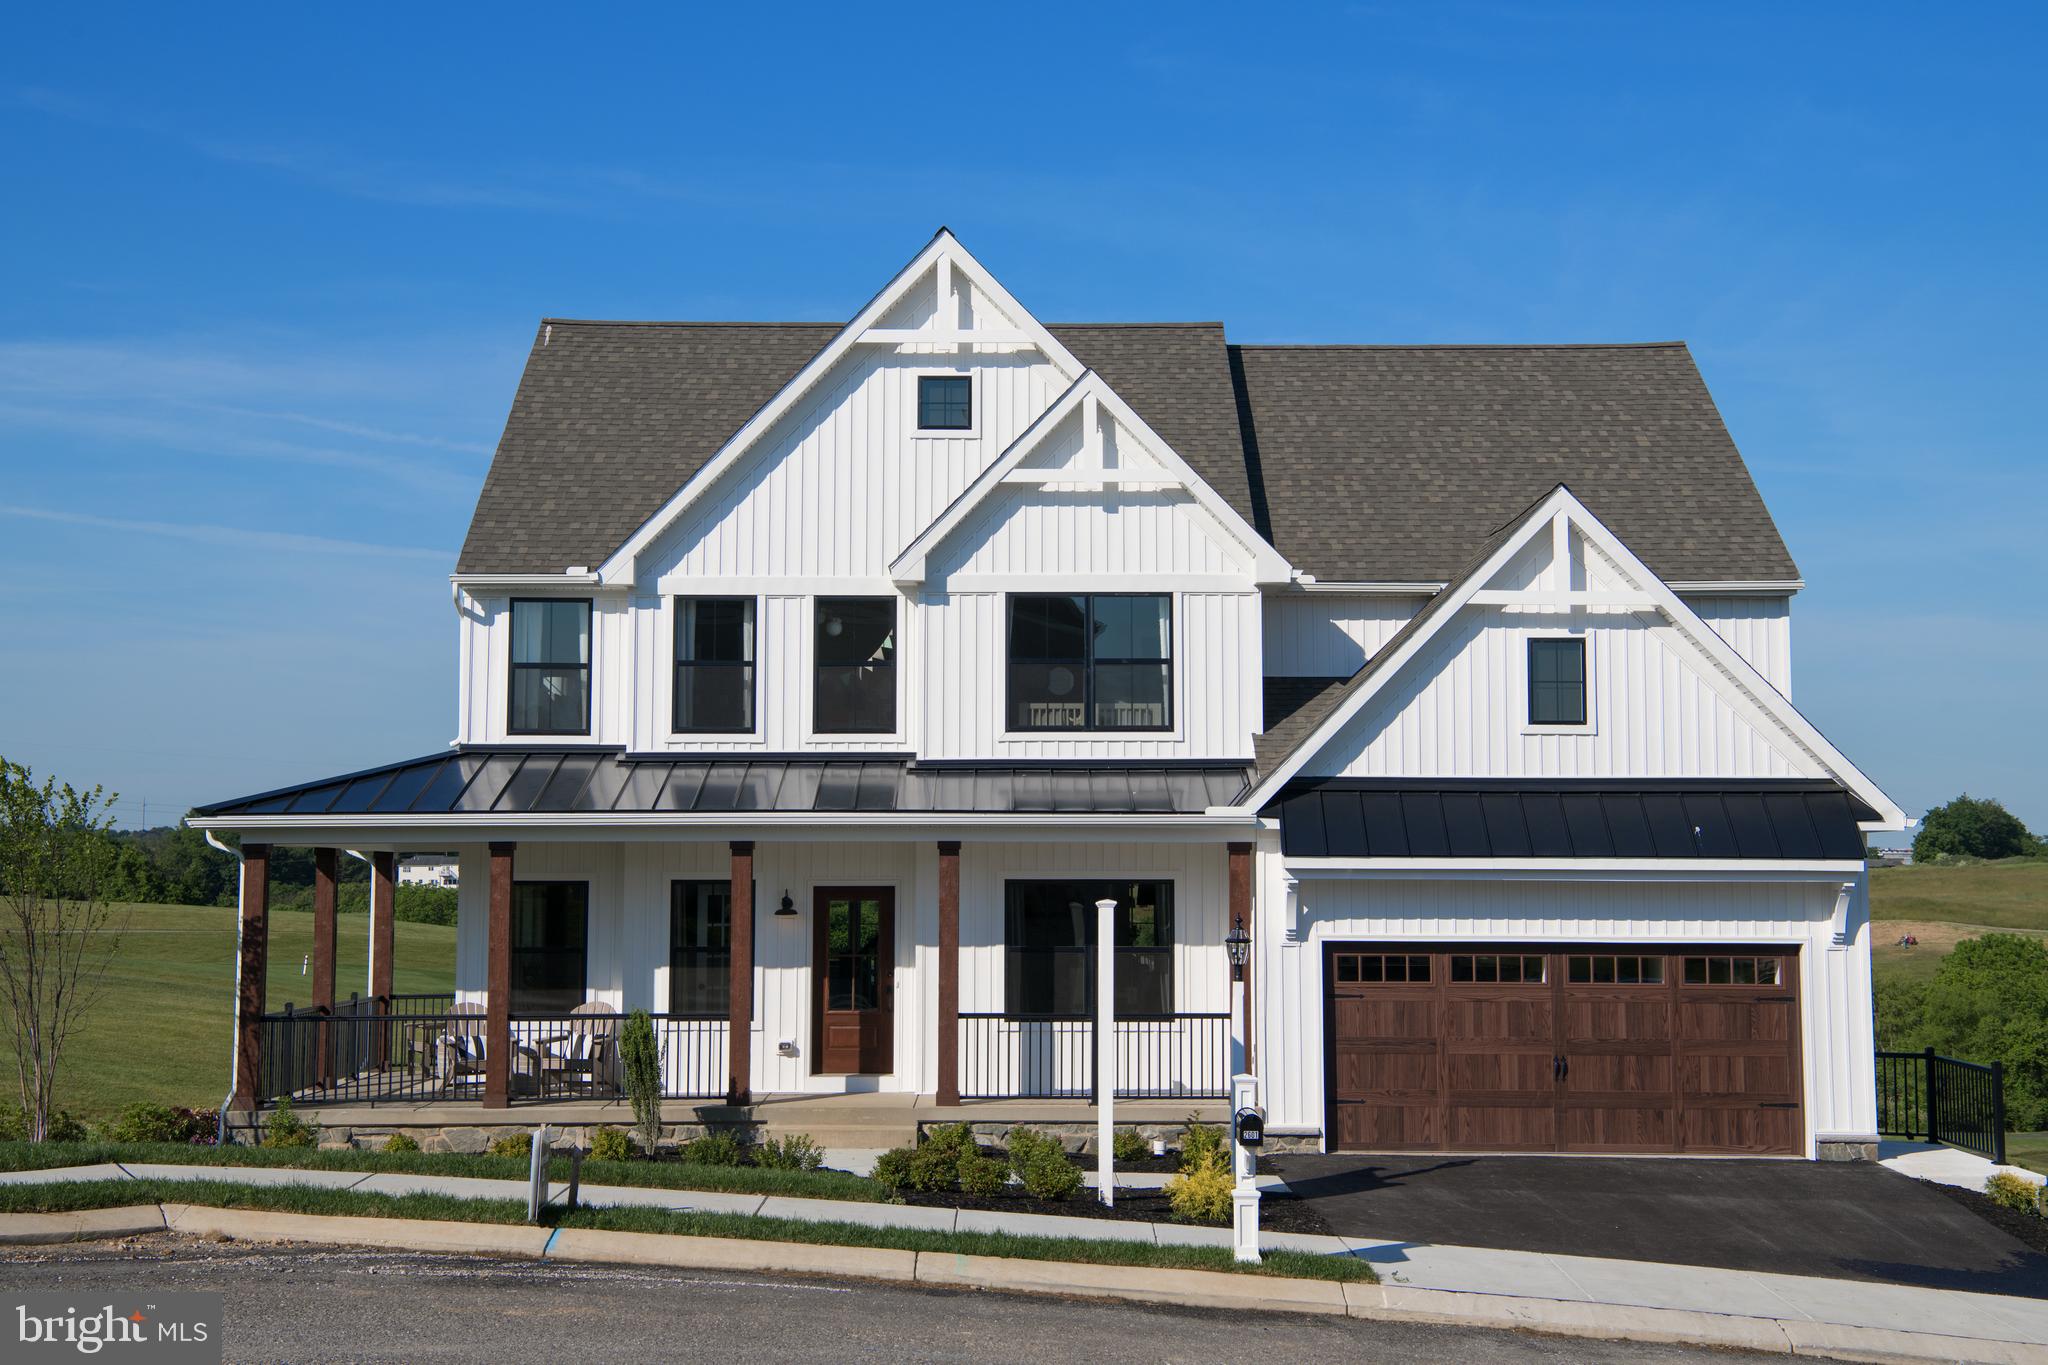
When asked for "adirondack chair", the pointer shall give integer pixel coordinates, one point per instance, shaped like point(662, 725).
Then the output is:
point(583, 1053)
point(459, 1051)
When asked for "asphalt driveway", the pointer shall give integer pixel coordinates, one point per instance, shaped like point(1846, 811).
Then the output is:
point(1850, 1220)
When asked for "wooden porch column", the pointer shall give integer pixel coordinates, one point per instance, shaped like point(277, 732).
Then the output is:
point(498, 983)
point(1241, 913)
point(323, 959)
point(254, 962)
point(740, 1019)
point(949, 972)
point(383, 908)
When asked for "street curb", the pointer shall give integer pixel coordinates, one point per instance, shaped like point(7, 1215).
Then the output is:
point(1144, 1284)
point(84, 1225)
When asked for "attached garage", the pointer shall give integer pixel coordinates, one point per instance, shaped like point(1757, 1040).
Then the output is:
point(1562, 1047)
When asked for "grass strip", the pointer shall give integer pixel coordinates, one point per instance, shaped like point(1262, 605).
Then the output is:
point(71, 1196)
point(658, 1175)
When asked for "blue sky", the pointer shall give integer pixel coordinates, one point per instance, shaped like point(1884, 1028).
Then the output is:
point(267, 278)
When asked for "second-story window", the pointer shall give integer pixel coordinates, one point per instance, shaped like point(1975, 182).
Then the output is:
point(856, 666)
point(1557, 682)
point(550, 666)
point(1101, 662)
point(714, 665)
point(945, 402)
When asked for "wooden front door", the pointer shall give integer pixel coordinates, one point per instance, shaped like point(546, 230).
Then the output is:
point(853, 961)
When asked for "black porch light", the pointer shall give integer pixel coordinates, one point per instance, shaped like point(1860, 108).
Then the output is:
point(787, 909)
point(1238, 944)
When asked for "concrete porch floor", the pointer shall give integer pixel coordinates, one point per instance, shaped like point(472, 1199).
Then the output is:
point(868, 1120)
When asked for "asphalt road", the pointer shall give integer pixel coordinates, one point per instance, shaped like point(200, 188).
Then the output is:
point(314, 1304)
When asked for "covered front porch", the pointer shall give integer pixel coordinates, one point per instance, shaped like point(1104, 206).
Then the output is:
point(895, 977)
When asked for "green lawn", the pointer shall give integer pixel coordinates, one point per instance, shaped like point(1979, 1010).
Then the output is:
point(1942, 906)
point(162, 1030)
point(2028, 1149)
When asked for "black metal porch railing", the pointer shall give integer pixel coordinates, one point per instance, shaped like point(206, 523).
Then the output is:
point(1180, 1056)
point(1923, 1095)
point(420, 1049)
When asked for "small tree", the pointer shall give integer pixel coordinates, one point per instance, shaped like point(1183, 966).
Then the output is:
point(57, 927)
point(1972, 828)
point(642, 1060)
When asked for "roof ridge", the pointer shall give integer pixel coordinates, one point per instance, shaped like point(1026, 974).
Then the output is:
point(680, 322)
point(1458, 345)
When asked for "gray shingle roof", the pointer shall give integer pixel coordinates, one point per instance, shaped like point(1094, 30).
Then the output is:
point(1360, 463)
point(1391, 463)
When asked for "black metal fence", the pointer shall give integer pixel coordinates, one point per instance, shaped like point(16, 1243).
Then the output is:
point(1180, 1056)
point(1925, 1096)
point(425, 1048)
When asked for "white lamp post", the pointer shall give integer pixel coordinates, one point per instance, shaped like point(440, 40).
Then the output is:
point(1105, 1052)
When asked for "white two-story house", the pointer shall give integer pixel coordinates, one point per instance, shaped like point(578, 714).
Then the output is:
point(817, 681)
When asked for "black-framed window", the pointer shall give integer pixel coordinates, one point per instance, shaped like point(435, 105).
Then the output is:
point(550, 666)
point(714, 692)
point(855, 686)
point(1557, 682)
point(700, 948)
point(1049, 947)
point(1100, 661)
point(945, 402)
point(550, 946)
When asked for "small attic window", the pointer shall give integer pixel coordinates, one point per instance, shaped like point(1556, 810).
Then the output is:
point(945, 402)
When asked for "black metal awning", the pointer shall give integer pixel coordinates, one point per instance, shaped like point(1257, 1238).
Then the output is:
point(486, 782)
point(1507, 818)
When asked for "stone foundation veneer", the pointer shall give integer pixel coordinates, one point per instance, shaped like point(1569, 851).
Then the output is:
point(1847, 1149)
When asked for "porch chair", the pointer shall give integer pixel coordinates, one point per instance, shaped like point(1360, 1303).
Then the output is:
point(583, 1053)
point(459, 1051)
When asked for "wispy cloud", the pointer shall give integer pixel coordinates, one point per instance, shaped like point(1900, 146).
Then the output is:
point(234, 536)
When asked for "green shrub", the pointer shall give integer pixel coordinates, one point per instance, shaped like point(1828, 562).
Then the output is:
point(892, 1169)
point(983, 1175)
point(62, 1128)
point(934, 1166)
point(1201, 1194)
point(1126, 1145)
point(1027, 1144)
point(284, 1128)
point(145, 1122)
point(797, 1152)
point(713, 1149)
point(1200, 1145)
point(519, 1145)
point(2017, 1192)
point(954, 1138)
point(1048, 1175)
point(641, 1057)
point(610, 1144)
point(399, 1142)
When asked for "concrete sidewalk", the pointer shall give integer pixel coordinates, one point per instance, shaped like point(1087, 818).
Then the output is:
point(2017, 1327)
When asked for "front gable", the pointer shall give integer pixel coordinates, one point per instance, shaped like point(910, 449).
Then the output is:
point(1666, 695)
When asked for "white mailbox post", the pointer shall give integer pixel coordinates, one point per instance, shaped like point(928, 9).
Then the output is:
point(1105, 1052)
point(1244, 1197)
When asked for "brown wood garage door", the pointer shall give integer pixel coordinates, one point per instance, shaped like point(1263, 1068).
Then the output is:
point(1593, 1048)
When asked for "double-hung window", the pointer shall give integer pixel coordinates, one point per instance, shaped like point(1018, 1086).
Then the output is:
point(550, 666)
point(1091, 662)
point(855, 687)
point(700, 948)
point(1049, 947)
point(714, 691)
point(1557, 681)
point(550, 945)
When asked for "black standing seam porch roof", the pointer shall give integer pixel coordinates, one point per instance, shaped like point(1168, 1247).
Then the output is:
point(1507, 818)
point(484, 782)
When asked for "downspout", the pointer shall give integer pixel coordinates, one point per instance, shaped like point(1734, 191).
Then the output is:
point(235, 1004)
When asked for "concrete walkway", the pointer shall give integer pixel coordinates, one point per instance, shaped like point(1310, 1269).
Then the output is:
point(1566, 1281)
point(1944, 1165)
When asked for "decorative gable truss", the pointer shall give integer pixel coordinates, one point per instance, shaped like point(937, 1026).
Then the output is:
point(1093, 458)
point(1559, 570)
point(944, 304)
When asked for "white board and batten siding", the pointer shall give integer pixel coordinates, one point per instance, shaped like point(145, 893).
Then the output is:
point(1759, 629)
point(1834, 979)
point(628, 945)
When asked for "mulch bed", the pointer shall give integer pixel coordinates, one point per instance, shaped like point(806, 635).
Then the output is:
point(1277, 1212)
point(2030, 1228)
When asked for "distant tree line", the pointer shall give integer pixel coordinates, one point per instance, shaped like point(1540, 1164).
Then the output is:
point(1988, 1001)
point(1972, 827)
point(174, 865)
